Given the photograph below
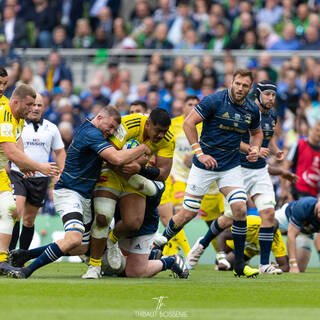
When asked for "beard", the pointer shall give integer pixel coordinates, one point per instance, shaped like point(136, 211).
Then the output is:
point(234, 97)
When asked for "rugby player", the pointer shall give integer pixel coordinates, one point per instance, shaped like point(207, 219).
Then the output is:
point(73, 192)
point(12, 115)
point(39, 137)
point(257, 182)
point(226, 116)
point(113, 186)
point(300, 219)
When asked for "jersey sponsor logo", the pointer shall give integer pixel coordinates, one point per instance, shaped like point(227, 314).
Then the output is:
point(221, 126)
point(237, 116)
point(120, 133)
point(35, 142)
point(248, 118)
point(7, 130)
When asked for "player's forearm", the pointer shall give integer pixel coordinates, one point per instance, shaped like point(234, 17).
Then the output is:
point(21, 160)
point(191, 131)
point(273, 145)
point(256, 139)
point(291, 244)
point(60, 158)
point(244, 147)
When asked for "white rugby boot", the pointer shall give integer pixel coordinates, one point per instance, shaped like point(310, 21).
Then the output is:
point(269, 269)
point(195, 253)
point(92, 273)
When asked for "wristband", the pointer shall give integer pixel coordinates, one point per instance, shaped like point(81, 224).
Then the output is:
point(196, 149)
point(151, 173)
point(293, 262)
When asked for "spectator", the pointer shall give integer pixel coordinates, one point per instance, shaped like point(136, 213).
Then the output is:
point(207, 65)
point(267, 37)
point(164, 13)
point(13, 28)
point(142, 91)
point(190, 41)
point(143, 35)
point(287, 16)
point(141, 11)
point(175, 26)
point(177, 108)
point(120, 36)
point(312, 41)
point(301, 22)
point(288, 94)
point(28, 77)
point(221, 39)
point(101, 39)
point(289, 41)
point(105, 20)
point(201, 15)
point(83, 37)
point(7, 54)
point(56, 71)
point(97, 92)
point(152, 100)
point(43, 16)
point(271, 14)
point(66, 132)
point(265, 62)
point(66, 86)
point(60, 39)
point(113, 83)
point(160, 41)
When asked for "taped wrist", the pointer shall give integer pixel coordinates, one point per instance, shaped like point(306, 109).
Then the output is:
point(151, 173)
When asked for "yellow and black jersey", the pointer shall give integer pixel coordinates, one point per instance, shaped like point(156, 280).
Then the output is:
point(132, 127)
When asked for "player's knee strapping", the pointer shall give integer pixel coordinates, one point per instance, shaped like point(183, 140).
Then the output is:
point(237, 195)
point(142, 184)
point(191, 204)
point(73, 222)
point(265, 201)
point(104, 207)
point(7, 208)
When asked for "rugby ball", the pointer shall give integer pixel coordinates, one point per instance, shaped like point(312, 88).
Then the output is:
point(130, 144)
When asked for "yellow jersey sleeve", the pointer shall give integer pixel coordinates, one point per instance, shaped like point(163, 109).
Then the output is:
point(166, 149)
point(129, 128)
point(7, 125)
point(278, 247)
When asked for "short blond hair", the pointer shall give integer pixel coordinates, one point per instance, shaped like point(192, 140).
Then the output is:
point(112, 111)
point(24, 91)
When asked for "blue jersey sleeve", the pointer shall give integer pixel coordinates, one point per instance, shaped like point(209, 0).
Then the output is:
point(256, 118)
point(303, 209)
point(96, 141)
point(207, 106)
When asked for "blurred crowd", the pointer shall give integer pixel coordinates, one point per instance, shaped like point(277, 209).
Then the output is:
point(164, 24)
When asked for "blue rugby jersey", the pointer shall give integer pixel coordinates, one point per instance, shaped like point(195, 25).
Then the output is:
point(268, 123)
point(83, 163)
point(224, 123)
point(302, 215)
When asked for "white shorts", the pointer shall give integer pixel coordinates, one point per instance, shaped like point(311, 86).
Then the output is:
point(67, 201)
point(138, 245)
point(199, 180)
point(280, 215)
point(304, 241)
point(257, 181)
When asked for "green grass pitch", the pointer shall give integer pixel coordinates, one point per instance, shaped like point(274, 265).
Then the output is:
point(58, 292)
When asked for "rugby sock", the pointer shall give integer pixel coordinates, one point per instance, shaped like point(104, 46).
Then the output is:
point(213, 231)
point(3, 256)
point(95, 262)
point(265, 242)
point(183, 242)
point(239, 234)
point(50, 254)
point(113, 237)
point(171, 230)
point(36, 252)
point(167, 263)
point(15, 236)
point(26, 237)
point(171, 247)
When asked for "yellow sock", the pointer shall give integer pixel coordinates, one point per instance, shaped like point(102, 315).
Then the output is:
point(171, 247)
point(113, 237)
point(95, 262)
point(183, 242)
point(3, 256)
